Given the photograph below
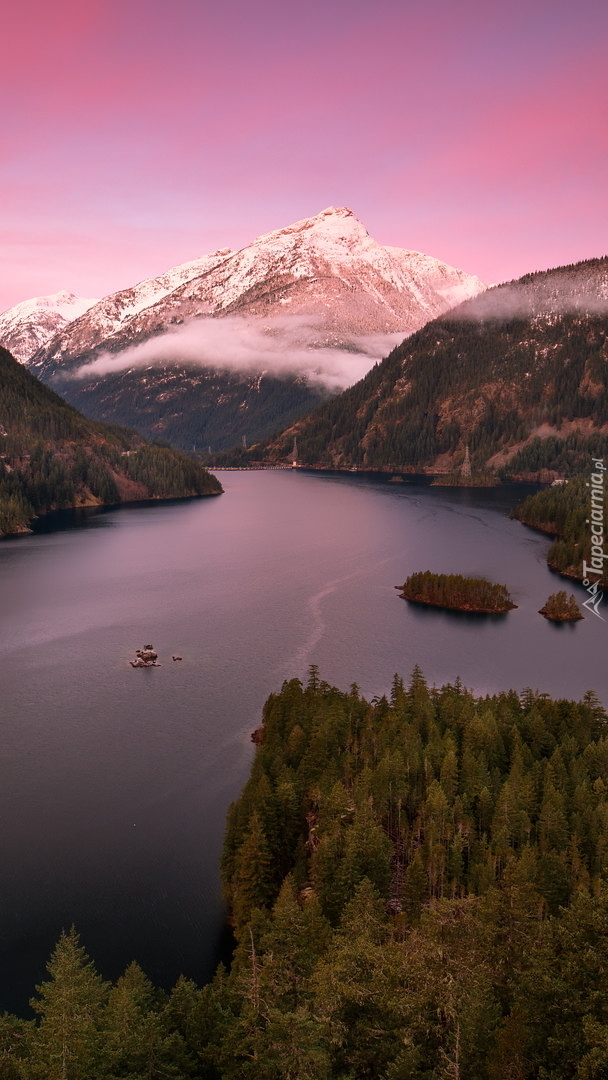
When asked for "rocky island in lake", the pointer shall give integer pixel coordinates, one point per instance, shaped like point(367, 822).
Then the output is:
point(457, 593)
point(146, 657)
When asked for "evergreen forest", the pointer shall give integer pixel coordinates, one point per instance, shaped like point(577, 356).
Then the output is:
point(563, 511)
point(418, 890)
point(561, 608)
point(192, 407)
point(52, 458)
point(457, 592)
point(518, 374)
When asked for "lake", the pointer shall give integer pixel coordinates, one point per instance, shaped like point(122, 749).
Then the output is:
point(115, 782)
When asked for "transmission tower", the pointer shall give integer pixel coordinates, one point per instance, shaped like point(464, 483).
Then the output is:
point(465, 468)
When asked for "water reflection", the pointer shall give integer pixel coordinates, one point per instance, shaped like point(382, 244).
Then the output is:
point(115, 781)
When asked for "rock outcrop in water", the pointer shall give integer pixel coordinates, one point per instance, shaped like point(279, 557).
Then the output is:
point(146, 657)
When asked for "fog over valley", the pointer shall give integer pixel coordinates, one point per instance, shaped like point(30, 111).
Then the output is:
point(287, 345)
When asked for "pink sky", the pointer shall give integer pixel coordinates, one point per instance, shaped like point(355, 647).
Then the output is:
point(137, 134)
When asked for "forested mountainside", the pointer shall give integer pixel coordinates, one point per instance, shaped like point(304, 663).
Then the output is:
point(519, 374)
point(418, 891)
point(51, 457)
point(193, 408)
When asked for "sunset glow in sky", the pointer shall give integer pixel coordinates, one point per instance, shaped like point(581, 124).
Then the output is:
point(137, 134)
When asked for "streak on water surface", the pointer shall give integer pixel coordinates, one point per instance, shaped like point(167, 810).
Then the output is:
point(115, 782)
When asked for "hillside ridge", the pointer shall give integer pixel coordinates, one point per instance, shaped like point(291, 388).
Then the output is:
point(519, 374)
point(52, 457)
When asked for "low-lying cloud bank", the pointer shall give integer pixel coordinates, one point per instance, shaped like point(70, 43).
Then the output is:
point(289, 345)
point(561, 295)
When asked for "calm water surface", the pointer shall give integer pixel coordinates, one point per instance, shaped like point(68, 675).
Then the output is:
point(115, 782)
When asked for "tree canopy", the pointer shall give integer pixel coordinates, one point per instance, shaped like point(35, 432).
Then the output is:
point(418, 890)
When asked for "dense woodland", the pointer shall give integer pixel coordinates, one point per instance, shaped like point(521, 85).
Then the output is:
point(418, 892)
point(51, 457)
point(562, 511)
point(193, 407)
point(417, 884)
point(568, 457)
point(488, 374)
point(456, 591)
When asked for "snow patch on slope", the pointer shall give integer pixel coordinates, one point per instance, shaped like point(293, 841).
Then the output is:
point(30, 324)
point(327, 269)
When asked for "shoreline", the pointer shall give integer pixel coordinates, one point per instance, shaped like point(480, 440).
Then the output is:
point(465, 609)
point(25, 530)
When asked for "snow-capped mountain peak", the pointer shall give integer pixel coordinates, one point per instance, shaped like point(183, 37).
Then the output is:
point(334, 224)
point(64, 302)
point(29, 325)
point(311, 306)
point(324, 272)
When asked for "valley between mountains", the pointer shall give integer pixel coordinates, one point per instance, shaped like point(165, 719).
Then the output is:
point(233, 346)
point(509, 383)
point(415, 877)
point(370, 357)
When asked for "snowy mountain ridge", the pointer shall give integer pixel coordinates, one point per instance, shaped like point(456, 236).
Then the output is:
point(239, 343)
point(28, 326)
point(326, 267)
point(108, 316)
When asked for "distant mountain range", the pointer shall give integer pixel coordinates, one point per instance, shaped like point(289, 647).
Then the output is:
point(518, 374)
point(29, 326)
point(237, 344)
point(51, 457)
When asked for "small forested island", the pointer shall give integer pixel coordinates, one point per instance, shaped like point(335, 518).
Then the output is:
point(53, 458)
point(560, 607)
point(457, 593)
point(418, 890)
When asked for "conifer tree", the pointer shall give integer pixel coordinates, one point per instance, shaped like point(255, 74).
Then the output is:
point(68, 1042)
point(254, 877)
point(136, 1043)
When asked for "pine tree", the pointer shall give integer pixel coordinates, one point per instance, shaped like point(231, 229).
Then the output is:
point(15, 1039)
point(136, 1042)
point(561, 607)
point(253, 885)
point(68, 1043)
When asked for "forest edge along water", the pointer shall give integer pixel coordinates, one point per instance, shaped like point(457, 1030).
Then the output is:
point(116, 788)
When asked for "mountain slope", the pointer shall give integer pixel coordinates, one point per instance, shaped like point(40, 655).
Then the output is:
point(520, 374)
point(296, 314)
point(30, 325)
point(51, 457)
point(106, 323)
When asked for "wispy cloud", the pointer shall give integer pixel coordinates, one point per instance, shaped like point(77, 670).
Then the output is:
point(558, 294)
point(288, 345)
